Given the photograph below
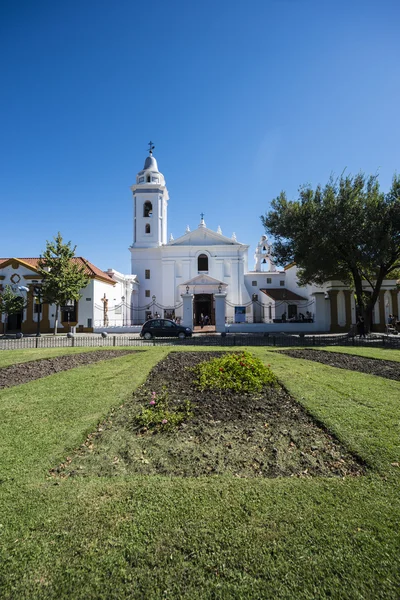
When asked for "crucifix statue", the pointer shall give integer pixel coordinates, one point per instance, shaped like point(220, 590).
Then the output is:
point(105, 310)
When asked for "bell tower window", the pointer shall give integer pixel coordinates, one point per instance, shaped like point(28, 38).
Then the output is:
point(202, 262)
point(148, 179)
point(147, 209)
point(147, 228)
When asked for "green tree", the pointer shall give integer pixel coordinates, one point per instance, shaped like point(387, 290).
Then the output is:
point(10, 304)
point(63, 278)
point(348, 230)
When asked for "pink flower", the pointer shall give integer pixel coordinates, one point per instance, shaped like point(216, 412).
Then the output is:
point(152, 402)
point(164, 421)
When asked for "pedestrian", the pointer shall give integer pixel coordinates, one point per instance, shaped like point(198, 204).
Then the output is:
point(361, 326)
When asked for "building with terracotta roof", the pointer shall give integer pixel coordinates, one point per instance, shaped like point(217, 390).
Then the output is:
point(105, 298)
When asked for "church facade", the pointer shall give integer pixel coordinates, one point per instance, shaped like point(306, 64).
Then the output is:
point(193, 275)
point(201, 274)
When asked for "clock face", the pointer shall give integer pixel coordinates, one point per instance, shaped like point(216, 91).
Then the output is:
point(15, 278)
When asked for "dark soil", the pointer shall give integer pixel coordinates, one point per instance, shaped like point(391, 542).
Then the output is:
point(372, 366)
point(36, 369)
point(267, 434)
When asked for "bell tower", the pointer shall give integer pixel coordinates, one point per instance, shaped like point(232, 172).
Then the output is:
point(150, 201)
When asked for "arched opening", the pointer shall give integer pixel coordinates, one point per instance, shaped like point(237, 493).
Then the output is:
point(147, 228)
point(148, 179)
point(147, 209)
point(202, 262)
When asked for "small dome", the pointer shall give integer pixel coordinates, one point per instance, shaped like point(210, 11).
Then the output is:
point(150, 163)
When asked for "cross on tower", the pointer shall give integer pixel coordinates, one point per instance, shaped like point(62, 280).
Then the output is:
point(202, 216)
point(151, 147)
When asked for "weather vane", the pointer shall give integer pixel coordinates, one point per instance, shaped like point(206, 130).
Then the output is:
point(151, 147)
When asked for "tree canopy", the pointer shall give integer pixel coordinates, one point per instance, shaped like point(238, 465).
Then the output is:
point(348, 230)
point(63, 278)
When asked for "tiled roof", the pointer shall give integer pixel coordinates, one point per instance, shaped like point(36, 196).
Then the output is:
point(281, 293)
point(89, 269)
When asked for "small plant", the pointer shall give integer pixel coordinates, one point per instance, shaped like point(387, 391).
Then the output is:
point(159, 415)
point(237, 371)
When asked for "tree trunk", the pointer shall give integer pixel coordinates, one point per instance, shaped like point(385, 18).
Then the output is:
point(375, 293)
point(56, 321)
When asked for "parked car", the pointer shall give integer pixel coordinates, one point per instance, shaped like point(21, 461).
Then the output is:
point(164, 328)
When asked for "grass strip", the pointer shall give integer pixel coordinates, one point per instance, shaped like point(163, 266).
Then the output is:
point(377, 353)
point(14, 357)
point(362, 410)
point(46, 418)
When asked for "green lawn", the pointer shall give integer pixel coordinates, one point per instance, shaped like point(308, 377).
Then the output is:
point(379, 353)
point(211, 537)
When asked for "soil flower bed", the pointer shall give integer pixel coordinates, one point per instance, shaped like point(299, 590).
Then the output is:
point(36, 369)
point(371, 366)
point(263, 433)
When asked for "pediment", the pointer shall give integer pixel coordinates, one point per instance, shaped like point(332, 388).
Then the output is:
point(15, 263)
point(205, 282)
point(204, 237)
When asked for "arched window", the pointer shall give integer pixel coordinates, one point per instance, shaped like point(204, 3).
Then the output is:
point(202, 262)
point(147, 209)
point(148, 179)
point(147, 228)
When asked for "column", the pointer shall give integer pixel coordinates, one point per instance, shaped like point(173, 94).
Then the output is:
point(220, 312)
point(347, 302)
point(187, 319)
point(334, 316)
point(394, 294)
point(320, 311)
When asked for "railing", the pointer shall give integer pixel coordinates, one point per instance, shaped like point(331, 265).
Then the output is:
point(97, 341)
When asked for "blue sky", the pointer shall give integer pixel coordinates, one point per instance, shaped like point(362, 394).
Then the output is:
point(242, 100)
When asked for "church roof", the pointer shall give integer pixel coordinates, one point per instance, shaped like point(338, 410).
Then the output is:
point(150, 163)
point(202, 236)
point(281, 293)
point(89, 269)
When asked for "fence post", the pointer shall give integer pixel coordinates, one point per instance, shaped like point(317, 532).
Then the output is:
point(37, 342)
point(274, 340)
point(114, 340)
point(73, 341)
point(313, 340)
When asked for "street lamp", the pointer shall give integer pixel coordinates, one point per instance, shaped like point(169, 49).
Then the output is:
point(123, 310)
point(154, 303)
point(37, 290)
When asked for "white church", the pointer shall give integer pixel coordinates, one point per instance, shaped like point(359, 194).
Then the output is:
point(200, 273)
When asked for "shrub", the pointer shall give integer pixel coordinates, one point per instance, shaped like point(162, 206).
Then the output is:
point(238, 371)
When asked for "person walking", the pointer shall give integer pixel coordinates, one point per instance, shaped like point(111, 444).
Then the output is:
point(361, 326)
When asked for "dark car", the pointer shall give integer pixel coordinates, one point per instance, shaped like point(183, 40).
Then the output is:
point(164, 328)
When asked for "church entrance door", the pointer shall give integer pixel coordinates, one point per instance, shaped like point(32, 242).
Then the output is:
point(204, 305)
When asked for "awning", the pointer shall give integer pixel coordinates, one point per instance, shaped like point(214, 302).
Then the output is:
point(282, 295)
